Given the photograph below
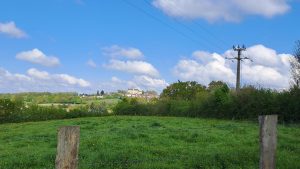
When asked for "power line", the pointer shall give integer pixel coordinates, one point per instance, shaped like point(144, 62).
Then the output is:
point(190, 29)
point(212, 34)
point(162, 22)
point(224, 43)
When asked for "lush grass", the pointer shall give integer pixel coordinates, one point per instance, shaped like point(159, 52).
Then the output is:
point(146, 142)
point(113, 101)
point(108, 103)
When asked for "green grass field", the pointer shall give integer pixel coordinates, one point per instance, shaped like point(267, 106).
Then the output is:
point(147, 142)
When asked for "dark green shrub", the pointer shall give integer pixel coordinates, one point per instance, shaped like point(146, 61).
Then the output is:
point(131, 107)
point(289, 105)
point(10, 111)
point(180, 107)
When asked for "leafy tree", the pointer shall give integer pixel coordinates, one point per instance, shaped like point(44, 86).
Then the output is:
point(216, 84)
point(122, 91)
point(295, 66)
point(182, 90)
point(152, 92)
point(221, 94)
point(102, 93)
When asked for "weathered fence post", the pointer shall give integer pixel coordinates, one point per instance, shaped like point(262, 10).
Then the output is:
point(268, 141)
point(67, 147)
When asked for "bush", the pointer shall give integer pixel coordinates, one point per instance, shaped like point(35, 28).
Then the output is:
point(10, 110)
point(131, 107)
point(289, 105)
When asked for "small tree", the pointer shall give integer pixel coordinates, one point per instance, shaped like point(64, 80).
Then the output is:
point(295, 66)
point(215, 85)
point(182, 90)
point(102, 93)
point(152, 92)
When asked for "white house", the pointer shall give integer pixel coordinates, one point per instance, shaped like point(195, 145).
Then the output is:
point(134, 93)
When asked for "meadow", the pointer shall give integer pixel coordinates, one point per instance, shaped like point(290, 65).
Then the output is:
point(147, 142)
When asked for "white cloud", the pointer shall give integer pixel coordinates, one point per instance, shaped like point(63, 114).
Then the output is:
point(265, 56)
point(6, 75)
point(64, 79)
point(40, 81)
point(38, 57)
point(189, 69)
point(70, 80)
point(119, 84)
point(146, 76)
point(227, 10)
point(265, 76)
point(11, 29)
point(149, 83)
point(116, 79)
point(117, 51)
point(91, 63)
point(140, 82)
point(38, 74)
point(135, 67)
point(268, 68)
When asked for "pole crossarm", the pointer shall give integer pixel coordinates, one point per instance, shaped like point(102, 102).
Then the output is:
point(231, 58)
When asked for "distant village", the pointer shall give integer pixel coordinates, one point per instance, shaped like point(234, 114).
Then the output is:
point(132, 93)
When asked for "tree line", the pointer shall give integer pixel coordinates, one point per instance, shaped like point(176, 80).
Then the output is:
point(19, 111)
point(190, 99)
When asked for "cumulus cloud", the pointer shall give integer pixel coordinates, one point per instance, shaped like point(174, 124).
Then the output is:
point(118, 84)
point(268, 69)
point(227, 10)
point(40, 81)
point(10, 29)
point(91, 63)
point(38, 57)
point(63, 79)
point(38, 74)
point(271, 77)
point(204, 72)
point(70, 80)
point(6, 75)
point(145, 75)
point(116, 51)
point(142, 82)
point(150, 83)
point(135, 67)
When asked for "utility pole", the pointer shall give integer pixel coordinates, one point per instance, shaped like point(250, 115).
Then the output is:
point(239, 58)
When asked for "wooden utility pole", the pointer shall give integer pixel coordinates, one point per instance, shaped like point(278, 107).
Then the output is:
point(239, 58)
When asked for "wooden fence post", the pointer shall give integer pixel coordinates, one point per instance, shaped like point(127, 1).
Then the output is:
point(268, 141)
point(67, 147)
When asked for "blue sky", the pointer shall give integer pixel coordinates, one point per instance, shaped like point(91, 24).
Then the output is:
point(89, 45)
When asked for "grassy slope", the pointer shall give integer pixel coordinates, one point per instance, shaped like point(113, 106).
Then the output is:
point(146, 142)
